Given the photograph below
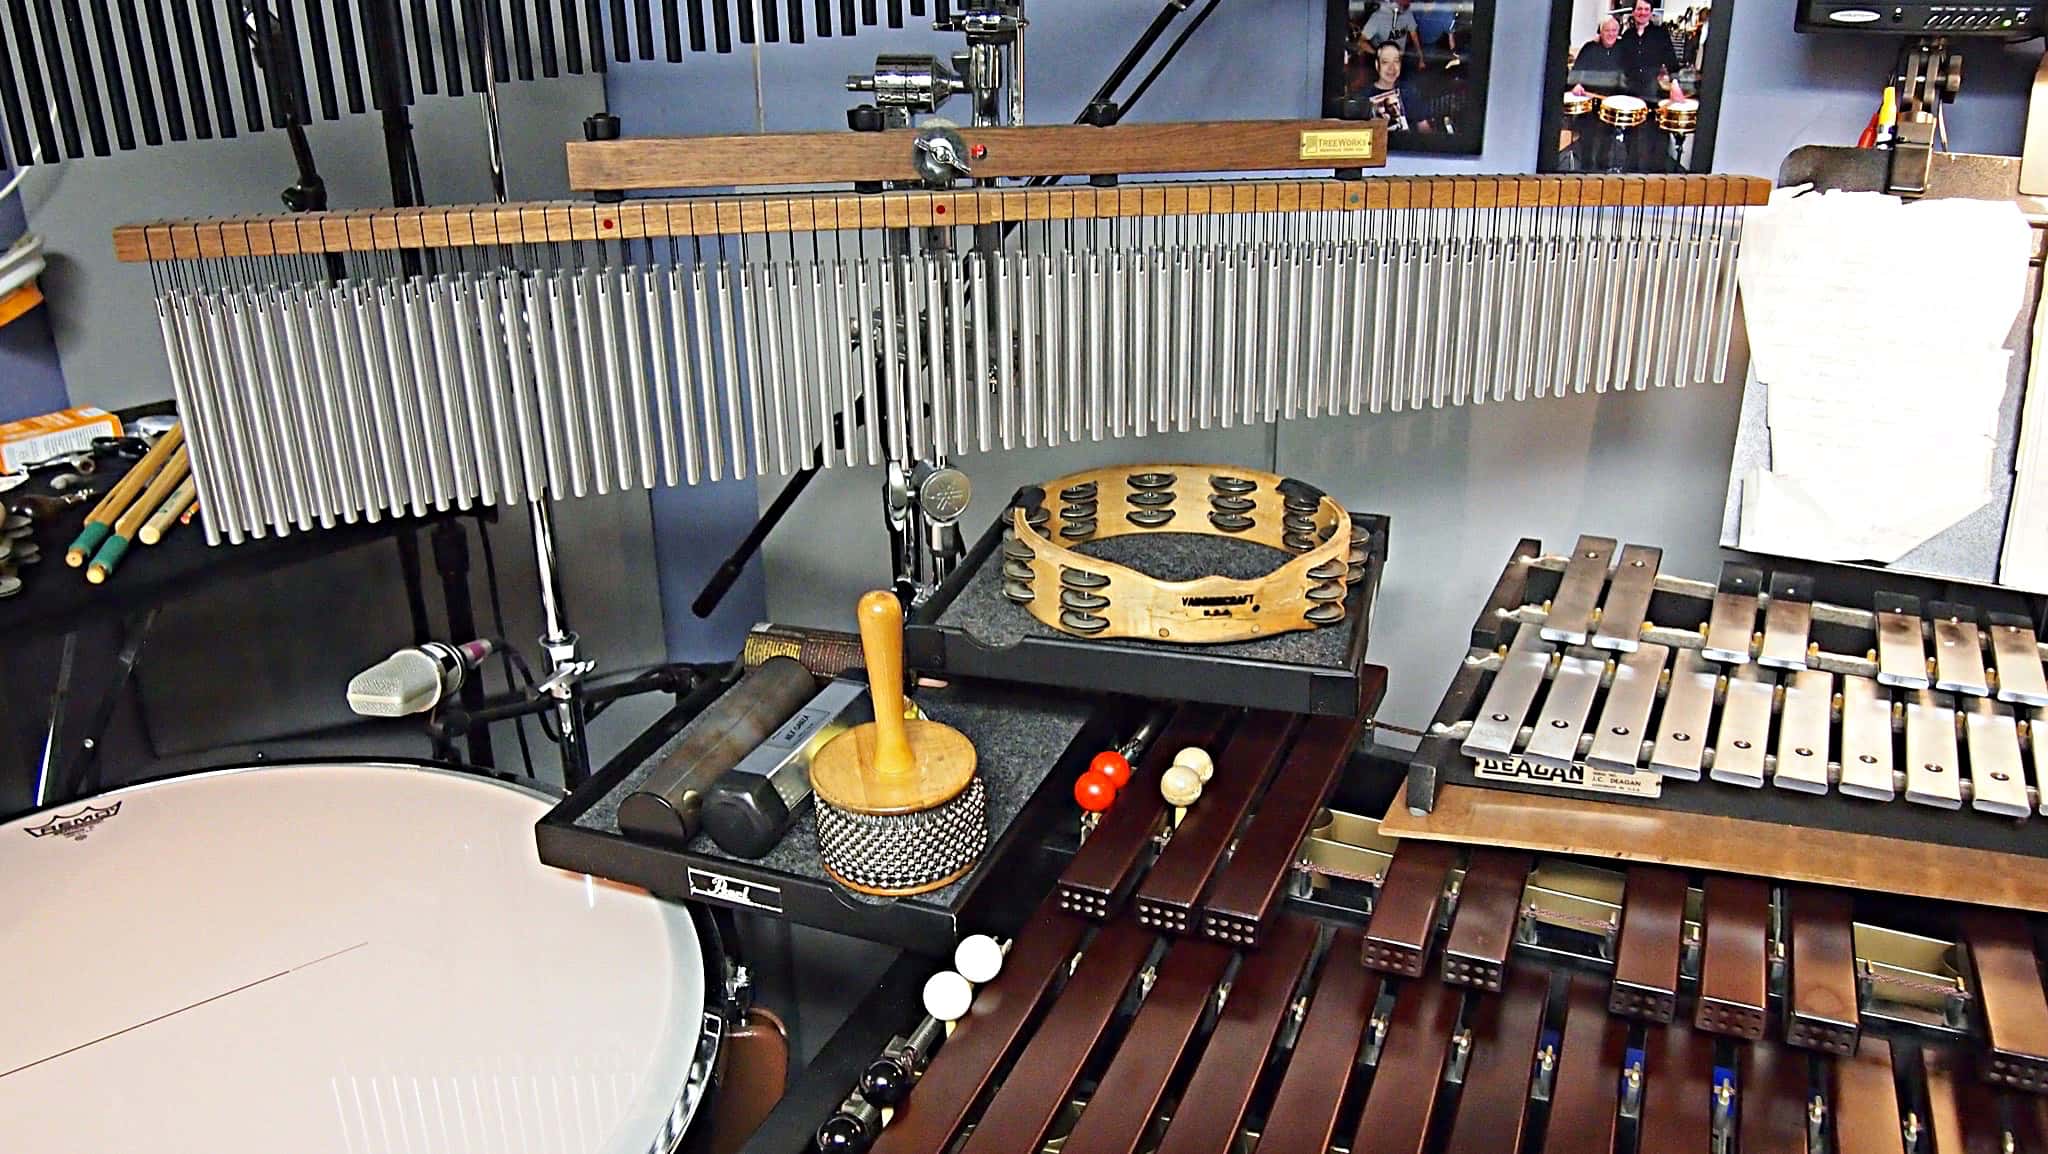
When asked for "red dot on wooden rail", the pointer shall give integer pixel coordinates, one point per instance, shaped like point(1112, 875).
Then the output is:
point(939, 209)
point(608, 224)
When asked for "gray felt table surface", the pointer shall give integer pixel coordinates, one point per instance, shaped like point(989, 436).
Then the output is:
point(1017, 739)
point(983, 613)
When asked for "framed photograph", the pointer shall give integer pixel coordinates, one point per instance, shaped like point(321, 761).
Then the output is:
point(1632, 85)
point(1419, 65)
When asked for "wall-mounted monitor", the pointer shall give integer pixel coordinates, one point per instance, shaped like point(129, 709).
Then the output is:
point(1902, 18)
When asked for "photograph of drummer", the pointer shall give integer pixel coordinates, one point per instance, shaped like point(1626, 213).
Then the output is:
point(1635, 86)
point(1418, 65)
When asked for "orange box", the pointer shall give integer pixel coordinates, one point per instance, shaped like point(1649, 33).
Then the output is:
point(38, 439)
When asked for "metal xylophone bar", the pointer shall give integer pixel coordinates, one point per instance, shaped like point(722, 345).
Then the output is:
point(1938, 707)
point(563, 351)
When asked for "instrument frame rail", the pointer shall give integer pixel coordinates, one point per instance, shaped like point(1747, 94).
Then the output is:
point(1269, 673)
point(1685, 756)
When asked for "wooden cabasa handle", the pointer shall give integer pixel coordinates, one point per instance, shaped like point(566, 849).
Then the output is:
point(881, 640)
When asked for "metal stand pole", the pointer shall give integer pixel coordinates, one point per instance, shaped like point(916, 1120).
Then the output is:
point(565, 681)
point(565, 670)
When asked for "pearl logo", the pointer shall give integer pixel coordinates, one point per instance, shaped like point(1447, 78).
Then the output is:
point(734, 891)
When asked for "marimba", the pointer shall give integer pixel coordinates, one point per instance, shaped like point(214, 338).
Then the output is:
point(1409, 995)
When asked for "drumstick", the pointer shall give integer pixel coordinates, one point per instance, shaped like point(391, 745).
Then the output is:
point(116, 545)
point(160, 522)
point(101, 521)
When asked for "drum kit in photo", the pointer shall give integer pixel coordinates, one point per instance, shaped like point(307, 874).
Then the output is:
point(1625, 116)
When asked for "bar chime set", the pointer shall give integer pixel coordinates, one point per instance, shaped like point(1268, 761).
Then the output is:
point(1625, 681)
point(86, 79)
point(1325, 987)
point(483, 355)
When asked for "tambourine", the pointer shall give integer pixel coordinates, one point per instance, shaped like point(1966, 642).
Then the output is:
point(1678, 117)
point(1090, 597)
point(1578, 103)
point(1624, 111)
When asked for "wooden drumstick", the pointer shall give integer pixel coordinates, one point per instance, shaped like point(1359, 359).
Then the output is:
point(160, 522)
point(100, 522)
point(140, 510)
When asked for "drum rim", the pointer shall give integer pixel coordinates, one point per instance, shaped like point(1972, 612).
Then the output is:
point(701, 1074)
point(305, 762)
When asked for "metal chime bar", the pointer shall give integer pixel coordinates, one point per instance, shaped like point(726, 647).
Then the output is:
point(485, 355)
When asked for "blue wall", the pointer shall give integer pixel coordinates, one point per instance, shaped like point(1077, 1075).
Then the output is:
point(1256, 58)
point(31, 381)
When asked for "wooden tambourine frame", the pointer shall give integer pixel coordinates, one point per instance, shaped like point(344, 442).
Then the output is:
point(1090, 597)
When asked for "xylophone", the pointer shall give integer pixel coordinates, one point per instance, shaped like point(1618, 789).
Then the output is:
point(1594, 675)
point(1416, 996)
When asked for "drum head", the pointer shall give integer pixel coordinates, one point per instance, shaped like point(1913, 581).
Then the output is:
point(1623, 111)
point(333, 958)
point(1678, 116)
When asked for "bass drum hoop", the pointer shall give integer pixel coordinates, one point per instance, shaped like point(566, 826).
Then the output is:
point(700, 1085)
point(716, 952)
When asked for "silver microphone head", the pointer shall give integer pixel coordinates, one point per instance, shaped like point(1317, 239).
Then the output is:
point(409, 681)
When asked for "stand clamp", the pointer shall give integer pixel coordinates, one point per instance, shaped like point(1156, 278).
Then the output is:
point(1929, 75)
point(994, 38)
point(905, 86)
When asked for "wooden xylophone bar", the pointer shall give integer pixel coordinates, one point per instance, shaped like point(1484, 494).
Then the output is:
point(1167, 896)
point(1096, 882)
point(1221, 873)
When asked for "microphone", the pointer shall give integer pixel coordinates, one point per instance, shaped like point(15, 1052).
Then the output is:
point(415, 680)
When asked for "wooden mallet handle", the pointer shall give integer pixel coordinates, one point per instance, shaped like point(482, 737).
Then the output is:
point(881, 640)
